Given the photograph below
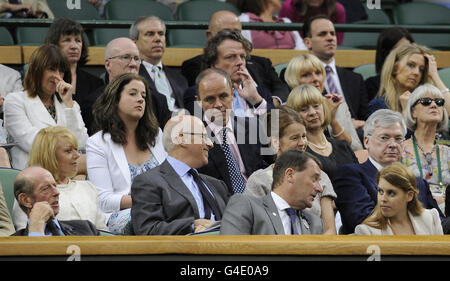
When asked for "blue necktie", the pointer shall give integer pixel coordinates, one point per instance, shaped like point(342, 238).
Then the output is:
point(238, 108)
point(330, 82)
point(237, 180)
point(292, 216)
point(52, 228)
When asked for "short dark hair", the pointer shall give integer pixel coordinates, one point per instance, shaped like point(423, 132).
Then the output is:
point(23, 185)
point(67, 26)
point(293, 158)
point(307, 24)
point(209, 71)
point(211, 53)
point(107, 119)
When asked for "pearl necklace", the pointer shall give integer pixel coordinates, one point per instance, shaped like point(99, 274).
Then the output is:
point(320, 147)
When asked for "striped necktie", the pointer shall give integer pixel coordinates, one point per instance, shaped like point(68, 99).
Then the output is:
point(330, 82)
point(162, 87)
point(237, 180)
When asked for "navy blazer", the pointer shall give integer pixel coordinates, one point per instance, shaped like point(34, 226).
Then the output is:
point(250, 151)
point(69, 228)
point(356, 189)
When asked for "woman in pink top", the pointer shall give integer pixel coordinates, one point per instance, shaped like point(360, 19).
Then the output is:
point(301, 10)
point(264, 11)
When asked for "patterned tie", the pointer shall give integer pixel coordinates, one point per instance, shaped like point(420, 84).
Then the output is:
point(330, 82)
point(292, 216)
point(237, 180)
point(162, 87)
point(209, 202)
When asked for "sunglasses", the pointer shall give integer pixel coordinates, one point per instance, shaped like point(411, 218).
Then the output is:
point(427, 101)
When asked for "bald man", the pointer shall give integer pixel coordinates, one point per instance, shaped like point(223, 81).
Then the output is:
point(173, 198)
point(35, 191)
point(122, 56)
point(260, 68)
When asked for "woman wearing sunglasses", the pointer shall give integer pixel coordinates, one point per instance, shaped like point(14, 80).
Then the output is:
point(426, 115)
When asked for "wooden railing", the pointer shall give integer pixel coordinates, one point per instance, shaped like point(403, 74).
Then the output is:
point(176, 56)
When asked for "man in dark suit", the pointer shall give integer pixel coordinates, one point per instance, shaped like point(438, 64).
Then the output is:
point(356, 184)
point(122, 56)
point(234, 160)
point(37, 195)
point(173, 198)
point(296, 182)
point(320, 38)
point(149, 34)
point(259, 68)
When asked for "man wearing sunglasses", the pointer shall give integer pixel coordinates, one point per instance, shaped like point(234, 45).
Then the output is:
point(355, 184)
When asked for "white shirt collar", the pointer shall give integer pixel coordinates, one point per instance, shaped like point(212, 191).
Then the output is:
point(332, 64)
point(375, 163)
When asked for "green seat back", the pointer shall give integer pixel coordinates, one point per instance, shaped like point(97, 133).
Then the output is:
point(444, 73)
point(5, 37)
point(280, 67)
point(421, 13)
point(186, 38)
point(86, 11)
point(33, 36)
point(7, 177)
point(131, 10)
point(375, 16)
point(103, 35)
point(360, 40)
point(201, 10)
point(366, 70)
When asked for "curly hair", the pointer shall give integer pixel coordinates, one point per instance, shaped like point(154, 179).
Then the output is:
point(106, 117)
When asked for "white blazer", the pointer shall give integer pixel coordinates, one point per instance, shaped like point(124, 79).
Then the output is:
point(10, 81)
point(25, 116)
point(108, 170)
point(427, 223)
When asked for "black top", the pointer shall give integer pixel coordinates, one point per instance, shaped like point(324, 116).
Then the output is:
point(341, 154)
point(372, 86)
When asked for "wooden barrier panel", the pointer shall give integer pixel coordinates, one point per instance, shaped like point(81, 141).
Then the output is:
point(265, 245)
point(176, 56)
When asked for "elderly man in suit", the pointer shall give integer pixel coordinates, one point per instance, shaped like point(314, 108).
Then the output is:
point(259, 68)
point(355, 184)
point(238, 142)
point(149, 34)
point(296, 182)
point(320, 38)
point(35, 190)
point(173, 198)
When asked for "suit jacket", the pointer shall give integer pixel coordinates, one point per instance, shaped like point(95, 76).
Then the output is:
point(354, 92)
point(250, 151)
point(108, 169)
point(248, 215)
point(25, 116)
point(427, 223)
point(70, 228)
point(177, 82)
point(356, 189)
point(163, 204)
point(10, 81)
point(260, 69)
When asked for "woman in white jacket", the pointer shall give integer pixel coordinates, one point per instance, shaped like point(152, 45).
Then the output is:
point(129, 143)
point(46, 101)
point(398, 210)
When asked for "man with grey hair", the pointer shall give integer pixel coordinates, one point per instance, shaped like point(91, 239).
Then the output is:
point(149, 34)
point(355, 184)
point(173, 198)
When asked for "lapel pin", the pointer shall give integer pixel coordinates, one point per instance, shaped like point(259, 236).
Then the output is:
point(274, 214)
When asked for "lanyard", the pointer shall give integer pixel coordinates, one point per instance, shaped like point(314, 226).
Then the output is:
point(420, 165)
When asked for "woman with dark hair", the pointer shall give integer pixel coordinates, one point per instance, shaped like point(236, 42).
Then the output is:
point(128, 144)
point(398, 210)
point(389, 39)
point(46, 101)
point(265, 11)
point(68, 34)
point(302, 10)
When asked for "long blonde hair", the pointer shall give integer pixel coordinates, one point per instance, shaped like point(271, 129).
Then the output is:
point(401, 177)
point(388, 86)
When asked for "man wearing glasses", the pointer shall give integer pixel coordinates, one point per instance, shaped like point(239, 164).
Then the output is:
point(122, 56)
point(355, 184)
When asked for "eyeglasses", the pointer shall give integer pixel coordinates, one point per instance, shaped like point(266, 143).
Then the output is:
point(427, 101)
point(204, 135)
point(388, 139)
point(127, 58)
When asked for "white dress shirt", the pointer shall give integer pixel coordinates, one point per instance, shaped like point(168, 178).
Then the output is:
point(281, 206)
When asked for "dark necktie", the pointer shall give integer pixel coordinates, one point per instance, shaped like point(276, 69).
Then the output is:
point(292, 216)
point(209, 202)
point(237, 180)
point(52, 228)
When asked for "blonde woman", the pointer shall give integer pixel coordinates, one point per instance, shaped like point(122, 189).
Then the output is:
point(398, 211)
point(308, 69)
point(56, 150)
point(313, 108)
point(405, 68)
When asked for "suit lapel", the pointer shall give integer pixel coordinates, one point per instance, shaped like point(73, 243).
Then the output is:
point(175, 182)
point(177, 93)
point(272, 213)
point(217, 196)
point(120, 157)
point(38, 108)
